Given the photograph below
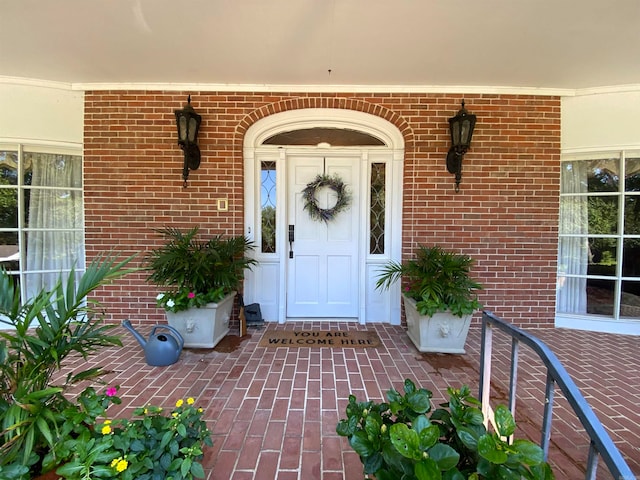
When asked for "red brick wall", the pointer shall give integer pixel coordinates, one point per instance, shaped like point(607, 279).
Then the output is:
point(505, 215)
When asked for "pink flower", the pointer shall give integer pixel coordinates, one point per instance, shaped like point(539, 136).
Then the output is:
point(111, 391)
point(191, 295)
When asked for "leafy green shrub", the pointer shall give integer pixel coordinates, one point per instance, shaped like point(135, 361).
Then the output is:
point(197, 271)
point(151, 445)
point(397, 440)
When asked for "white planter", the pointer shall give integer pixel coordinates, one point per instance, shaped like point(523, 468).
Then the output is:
point(203, 327)
point(443, 332)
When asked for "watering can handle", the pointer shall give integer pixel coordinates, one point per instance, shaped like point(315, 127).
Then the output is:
point(172, 330)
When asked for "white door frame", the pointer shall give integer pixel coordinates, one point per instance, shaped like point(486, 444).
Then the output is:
point(266, 283)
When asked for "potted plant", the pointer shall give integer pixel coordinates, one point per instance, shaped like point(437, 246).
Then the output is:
point(46, 329)
point(151, 444)
point(202, 277)
point(399, 440)
point(439, 297)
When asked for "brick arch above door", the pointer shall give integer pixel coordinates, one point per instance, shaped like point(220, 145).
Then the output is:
point(335, 103)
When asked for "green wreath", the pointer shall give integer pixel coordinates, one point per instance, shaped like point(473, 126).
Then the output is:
point(311, 204)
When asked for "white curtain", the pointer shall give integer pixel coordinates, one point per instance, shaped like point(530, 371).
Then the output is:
point(55, 219)
point(573, 253)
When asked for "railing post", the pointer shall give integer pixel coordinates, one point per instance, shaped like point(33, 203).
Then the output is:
point(486, 348)
point(513, 382)
point(548, 415)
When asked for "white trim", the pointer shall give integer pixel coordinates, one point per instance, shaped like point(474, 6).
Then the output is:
point(42, 146)
point(226, 87)
point(584, 152)
point(34, 82)
point(281, 219)
point(607, 89)
point(331, 118)
point(598, 324)
point(323, 117)
point(319, 88)
point(323, 88)
point(365, 173)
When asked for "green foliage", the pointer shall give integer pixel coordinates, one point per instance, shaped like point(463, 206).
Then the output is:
point(438, 280)
point(196, 271)
point(148, 446)
point(65, 323)
point(398, 440)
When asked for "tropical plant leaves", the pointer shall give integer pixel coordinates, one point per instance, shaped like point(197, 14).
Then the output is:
point(394, 441)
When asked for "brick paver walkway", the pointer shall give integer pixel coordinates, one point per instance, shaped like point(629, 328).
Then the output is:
point(273, 411)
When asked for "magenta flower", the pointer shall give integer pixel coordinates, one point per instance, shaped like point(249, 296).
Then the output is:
point(111, 391)
point(191, 295)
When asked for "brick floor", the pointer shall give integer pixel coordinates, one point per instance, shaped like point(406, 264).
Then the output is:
point(273, 411)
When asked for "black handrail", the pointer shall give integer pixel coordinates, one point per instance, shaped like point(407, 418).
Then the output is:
point(600, 441)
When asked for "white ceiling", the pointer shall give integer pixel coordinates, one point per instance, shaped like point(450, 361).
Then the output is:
point(533, 44)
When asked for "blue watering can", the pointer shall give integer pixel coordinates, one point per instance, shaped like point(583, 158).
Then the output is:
point(161, 349)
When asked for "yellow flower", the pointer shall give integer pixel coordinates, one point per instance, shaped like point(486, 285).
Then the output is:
point(179, 403)
point(174, 414)
point(115, 461)
point(107, 422)
point(200, 410)
point(106, 430)
point(122, 465)
point(190, 401)
point(145, 411)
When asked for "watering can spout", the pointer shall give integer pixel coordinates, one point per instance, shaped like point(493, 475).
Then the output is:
point(127, 324)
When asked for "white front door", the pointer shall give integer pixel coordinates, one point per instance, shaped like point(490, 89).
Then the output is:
point(322, 262)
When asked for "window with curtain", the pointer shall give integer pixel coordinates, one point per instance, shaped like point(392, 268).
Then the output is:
point(41, 215)
point(599, 237)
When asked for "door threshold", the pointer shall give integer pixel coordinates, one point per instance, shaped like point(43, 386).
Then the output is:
point(321, 319)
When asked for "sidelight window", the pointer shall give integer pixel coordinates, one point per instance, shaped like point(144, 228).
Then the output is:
point(377, 209)
point(268, 206)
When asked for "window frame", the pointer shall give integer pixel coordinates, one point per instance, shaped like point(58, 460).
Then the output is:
point(21, 148)
point(593, 321)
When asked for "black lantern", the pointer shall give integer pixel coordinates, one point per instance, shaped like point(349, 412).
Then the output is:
point(461, 128)
point(188, 123)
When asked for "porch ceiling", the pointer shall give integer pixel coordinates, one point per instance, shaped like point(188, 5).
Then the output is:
point(569, 44)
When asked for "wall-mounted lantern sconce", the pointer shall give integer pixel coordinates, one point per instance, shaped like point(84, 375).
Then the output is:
point(461, 128)
point(188, 123)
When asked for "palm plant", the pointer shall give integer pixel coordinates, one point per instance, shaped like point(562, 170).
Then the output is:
point(438, 280)
point(65, 323)
point(187, 264)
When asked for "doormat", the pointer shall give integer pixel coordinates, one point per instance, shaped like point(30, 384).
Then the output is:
point(320, 338)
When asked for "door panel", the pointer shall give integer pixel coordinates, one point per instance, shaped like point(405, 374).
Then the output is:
point(322, 276)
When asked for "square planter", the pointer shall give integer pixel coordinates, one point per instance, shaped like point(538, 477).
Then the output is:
point(443, 332)
point(203, 327)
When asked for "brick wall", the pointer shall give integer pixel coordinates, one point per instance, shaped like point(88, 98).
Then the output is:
point(505, 215)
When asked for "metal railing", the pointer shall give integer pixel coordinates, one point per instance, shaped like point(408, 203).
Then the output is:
point(600, 444)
